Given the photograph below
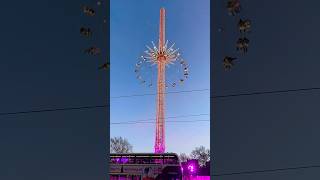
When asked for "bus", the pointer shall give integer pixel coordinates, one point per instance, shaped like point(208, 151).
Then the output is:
point(145, 166)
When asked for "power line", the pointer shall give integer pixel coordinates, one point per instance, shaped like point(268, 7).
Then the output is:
point(53, 110)
point(121, 123)
point(93, 107)
point(265, 92)
point(170, 117)
point(267, 170)
point(214, 97)
point(152, 94)
point(225, 96)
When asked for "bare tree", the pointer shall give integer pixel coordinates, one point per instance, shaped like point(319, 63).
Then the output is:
point(120, 145)
point(183, 157)
point(201, 154)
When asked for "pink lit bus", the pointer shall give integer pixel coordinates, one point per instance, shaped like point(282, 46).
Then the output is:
point(145, 166)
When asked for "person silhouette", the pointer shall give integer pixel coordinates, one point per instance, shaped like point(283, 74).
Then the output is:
point(146, 174)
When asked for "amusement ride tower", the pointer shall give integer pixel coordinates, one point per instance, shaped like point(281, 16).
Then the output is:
point(159, 146)
point(162, 56)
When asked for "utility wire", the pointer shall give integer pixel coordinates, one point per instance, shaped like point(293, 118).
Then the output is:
point(265, 92)
point(121, 123)
point(95, 106)
point(170, 117)
point(267, 170)
point(228, 95)
point(152, 94)
point(53, 110)
point(214, 97)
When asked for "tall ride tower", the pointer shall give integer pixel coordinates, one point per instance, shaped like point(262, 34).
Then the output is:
point(163, 56)
point(159, 146)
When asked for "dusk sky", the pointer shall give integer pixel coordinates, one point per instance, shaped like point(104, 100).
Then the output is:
point(134, 24)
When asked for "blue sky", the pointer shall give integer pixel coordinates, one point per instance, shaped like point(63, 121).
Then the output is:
point(134, 24)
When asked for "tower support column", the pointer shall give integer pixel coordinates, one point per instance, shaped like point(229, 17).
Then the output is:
point(161, 60)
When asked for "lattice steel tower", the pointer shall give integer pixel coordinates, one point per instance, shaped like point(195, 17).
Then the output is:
point(161, 56)
point(159, 146)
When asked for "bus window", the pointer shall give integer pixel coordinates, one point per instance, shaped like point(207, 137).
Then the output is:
point(125, 177)
point(168, 160)
point(132, 160)
point(114, 160)
point(156, 160)
point(138, 161)
point(146, 160)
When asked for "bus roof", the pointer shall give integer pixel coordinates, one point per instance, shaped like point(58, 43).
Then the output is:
point(143, 154)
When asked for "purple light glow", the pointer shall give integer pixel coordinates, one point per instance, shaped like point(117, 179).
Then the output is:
point(124, 160)
point(191, 168)
point(121, 160)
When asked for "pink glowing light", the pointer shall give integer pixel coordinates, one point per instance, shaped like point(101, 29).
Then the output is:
point(191, 168)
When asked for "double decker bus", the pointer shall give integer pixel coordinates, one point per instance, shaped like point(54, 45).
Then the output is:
point(145, 166)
